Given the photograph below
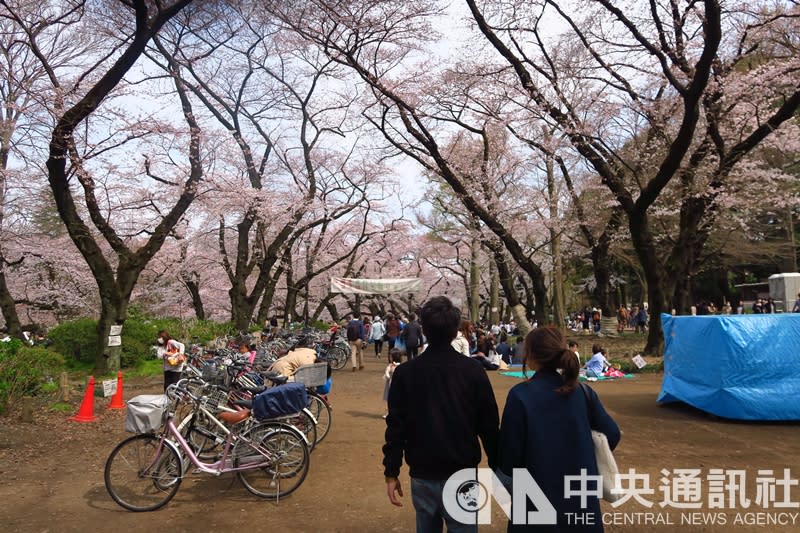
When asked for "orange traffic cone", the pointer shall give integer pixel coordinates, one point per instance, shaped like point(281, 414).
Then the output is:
point(86, 412)
point(116, 400)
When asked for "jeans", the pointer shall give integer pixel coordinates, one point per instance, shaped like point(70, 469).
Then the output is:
point(426, 495)
point(593, 373)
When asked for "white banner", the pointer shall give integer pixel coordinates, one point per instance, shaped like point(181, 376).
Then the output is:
point(375, 286)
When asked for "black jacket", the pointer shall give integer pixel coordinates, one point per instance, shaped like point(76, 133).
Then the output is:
point(412, 335)
point(439, 404)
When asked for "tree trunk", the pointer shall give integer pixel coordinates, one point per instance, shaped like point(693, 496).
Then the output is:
point(559, 311)
point(646, 251)
point(8, 306)
point(494, 294)
point(197, 301)
point(474, 282)
point(506, 280)
point(601, 263)
point(290, 306)
point(113, 312)
point(241, 309)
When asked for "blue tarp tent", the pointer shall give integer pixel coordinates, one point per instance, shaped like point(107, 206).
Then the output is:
point(745, 367)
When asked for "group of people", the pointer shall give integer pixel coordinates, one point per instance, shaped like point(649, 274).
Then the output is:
point(361, 331)
point(634, 317)
point(441, 408)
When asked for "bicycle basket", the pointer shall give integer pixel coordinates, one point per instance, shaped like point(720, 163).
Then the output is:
point(215, 400)
point(146, 413)
point(312, 375)
point(280, 401)
point(214, 375)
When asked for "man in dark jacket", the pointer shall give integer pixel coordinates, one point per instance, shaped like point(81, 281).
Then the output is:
point(439, 405)
point(412, 336)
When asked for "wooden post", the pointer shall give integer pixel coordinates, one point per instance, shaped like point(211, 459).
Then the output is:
point(63, 387)
point(27, 409)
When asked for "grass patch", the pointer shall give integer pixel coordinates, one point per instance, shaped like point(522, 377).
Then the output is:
point(146, 368)
point(49, 387)
point(61, 407)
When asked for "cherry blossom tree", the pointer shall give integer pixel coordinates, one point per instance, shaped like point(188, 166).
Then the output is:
point(666, 69)
point(76, 154)
point(282, 105)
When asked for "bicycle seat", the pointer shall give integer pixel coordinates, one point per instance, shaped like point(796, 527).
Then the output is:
point(255, 390)
point(243, 403)
point(276, 378)
point(234, 418)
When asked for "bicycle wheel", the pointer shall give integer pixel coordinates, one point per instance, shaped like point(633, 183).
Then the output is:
point(322, 412)
point(205, 437)
point(284, 455)
point(141, 477)
point(337, 357)
point(307, 425)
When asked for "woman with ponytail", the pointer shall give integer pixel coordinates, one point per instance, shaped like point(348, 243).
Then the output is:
point(546, 429)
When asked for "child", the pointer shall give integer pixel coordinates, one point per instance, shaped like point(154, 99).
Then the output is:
point(248, 352)
point(396, 356)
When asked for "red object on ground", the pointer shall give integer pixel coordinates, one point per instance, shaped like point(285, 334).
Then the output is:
point(116, 400)
point(86, 412)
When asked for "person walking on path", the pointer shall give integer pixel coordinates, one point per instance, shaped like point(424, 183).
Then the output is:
point(376, 335)
point(437, 435)
point(412, 335)
point(356, 337)
point(546, 429)
point(392, 329)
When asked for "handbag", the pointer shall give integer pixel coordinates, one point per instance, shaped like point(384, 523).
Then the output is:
point(606, 464)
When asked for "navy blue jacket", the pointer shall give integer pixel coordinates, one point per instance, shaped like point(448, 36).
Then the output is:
point(549, 434)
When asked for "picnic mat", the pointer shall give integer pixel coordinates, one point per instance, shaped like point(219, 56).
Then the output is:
point(516, 374)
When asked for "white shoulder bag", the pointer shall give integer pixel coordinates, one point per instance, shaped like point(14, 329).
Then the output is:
point(606, 464)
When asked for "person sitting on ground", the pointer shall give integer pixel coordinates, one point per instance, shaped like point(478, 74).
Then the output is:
point(518, 351)
point(461, 342)
point(485, 352)
point(597, 365)
point(288, 364)
point(504, 349)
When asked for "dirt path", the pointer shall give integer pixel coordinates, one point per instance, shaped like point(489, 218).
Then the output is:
point(52, 470)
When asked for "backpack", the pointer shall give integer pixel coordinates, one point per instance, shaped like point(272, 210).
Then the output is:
point(353, 330)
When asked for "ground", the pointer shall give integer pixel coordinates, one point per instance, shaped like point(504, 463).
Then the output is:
point(52, 469)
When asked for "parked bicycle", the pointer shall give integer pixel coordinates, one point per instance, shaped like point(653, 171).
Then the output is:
point(143, 472)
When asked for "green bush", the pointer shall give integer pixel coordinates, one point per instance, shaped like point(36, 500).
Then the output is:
point(23, 370)
point(629, 367)
point(76, 340)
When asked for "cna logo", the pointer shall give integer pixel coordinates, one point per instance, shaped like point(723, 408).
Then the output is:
point(469, 500)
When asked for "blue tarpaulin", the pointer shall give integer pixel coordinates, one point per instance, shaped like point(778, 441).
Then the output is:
point(744, 367)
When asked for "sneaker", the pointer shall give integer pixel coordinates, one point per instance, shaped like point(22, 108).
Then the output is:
point(361, 367)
